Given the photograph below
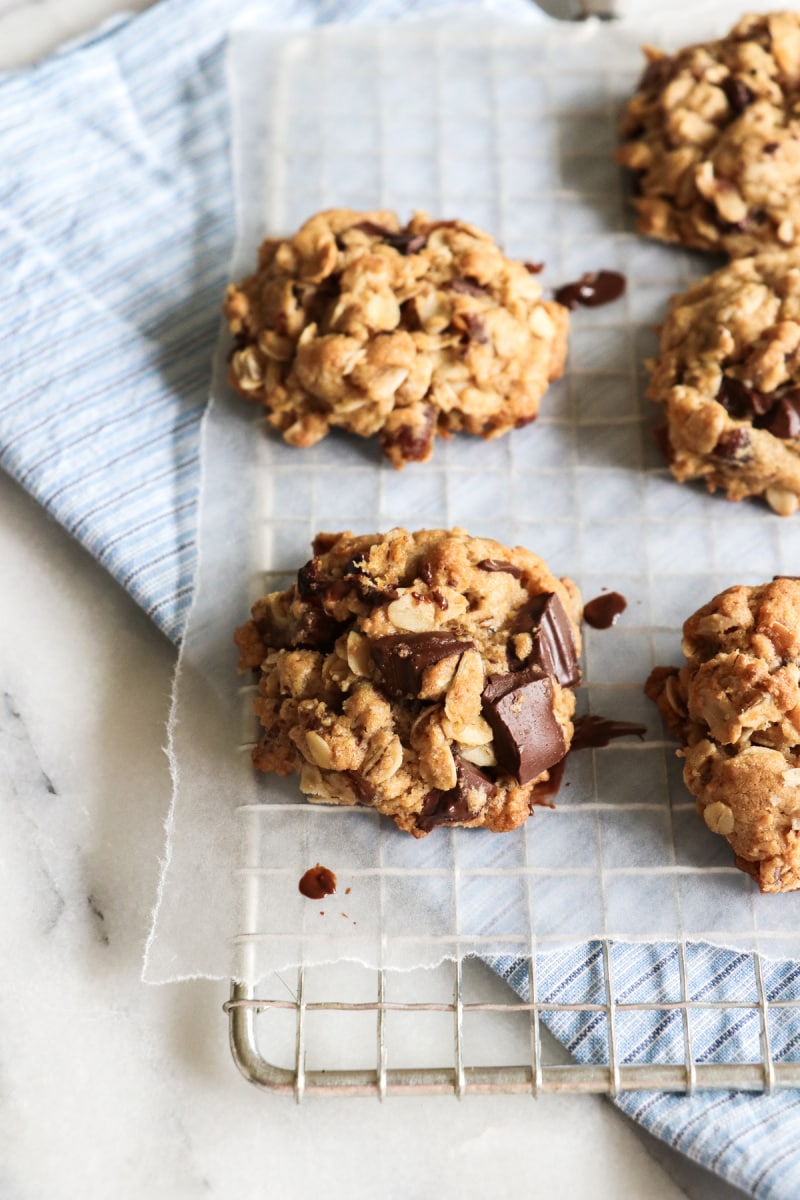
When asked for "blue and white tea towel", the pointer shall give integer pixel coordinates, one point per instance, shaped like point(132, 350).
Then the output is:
point(116, 225)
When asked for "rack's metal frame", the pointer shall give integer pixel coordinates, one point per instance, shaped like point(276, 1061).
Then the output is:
point(534, 1077)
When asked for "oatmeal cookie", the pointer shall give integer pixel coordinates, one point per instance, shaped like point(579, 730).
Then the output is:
point(427, 675)
point(728, 375)
point(735, 706)
point(400, 332)
point(713, 137)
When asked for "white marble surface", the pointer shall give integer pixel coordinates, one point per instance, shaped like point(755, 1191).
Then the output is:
point(110, 1088)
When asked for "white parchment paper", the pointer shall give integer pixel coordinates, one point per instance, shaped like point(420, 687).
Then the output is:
point(511, 126)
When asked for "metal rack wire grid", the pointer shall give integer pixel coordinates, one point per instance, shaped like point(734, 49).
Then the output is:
point(470, 120)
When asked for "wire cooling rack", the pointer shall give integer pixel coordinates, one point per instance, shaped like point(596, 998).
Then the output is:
point(691, 547)
point(257, 1047)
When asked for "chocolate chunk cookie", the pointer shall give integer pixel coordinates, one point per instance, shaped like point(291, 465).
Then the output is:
point(399, 332)
point(428, 675)
point(713, 137)
point(735, 706)
point(729, 377)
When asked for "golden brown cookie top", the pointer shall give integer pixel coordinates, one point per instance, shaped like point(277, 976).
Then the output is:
point(428, 675)
point(399, 332)
point(735, 706)
point(711, 135)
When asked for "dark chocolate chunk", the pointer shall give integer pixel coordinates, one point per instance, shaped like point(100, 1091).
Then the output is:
point(534, 268)
point(738, 94)
point(783, 419)
point(770, 147)
point(405, 243)
point(591, 732)
point(592, 289)
point(446, 808)
point(602, 612)
point(316, 631)
point(741, 401)
point(496, 564)
point(527, 736)
point(401, 658)
point(544, 617)
point(466, 287)
point(317, 882)
point(733, 446)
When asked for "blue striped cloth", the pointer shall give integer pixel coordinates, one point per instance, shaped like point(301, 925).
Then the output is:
point(116, 227)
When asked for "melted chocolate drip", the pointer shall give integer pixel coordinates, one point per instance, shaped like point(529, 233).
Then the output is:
point(602, 612)
point(592, 732)
point(592, 290)
point(317, 882)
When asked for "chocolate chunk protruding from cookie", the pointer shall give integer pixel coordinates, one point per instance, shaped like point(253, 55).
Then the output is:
point(527, 736)
point(403, 657)
point(447, 808)
point(545, 618)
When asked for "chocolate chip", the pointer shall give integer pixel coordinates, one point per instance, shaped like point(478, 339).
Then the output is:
point(770, 147)
point(534, 268)
point(466, 287)
point(592, 289)
point(553, 651)
point(496, 564)
point(519, 709)
point(403, 657)
point(445, 808)
point(783, 419)
point(738, 94)
point(733, 446)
